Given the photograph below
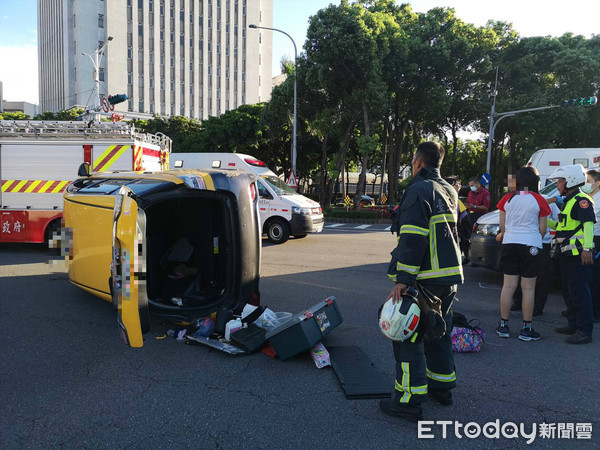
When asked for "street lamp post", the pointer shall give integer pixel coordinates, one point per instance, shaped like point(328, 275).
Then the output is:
point(295, 90)
point(95, 58)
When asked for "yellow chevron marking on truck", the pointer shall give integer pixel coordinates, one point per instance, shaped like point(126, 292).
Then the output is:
point(108, 157)
point(34, 186)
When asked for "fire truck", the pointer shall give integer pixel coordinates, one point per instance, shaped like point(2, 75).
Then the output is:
point(39, 159)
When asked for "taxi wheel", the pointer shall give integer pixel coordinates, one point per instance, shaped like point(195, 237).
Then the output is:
point(278, 231)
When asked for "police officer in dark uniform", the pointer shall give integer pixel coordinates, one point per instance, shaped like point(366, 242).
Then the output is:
point(427, 254)
point(575, 244)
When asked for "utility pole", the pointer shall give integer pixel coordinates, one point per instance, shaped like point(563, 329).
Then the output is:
point(96, 57)
point(295, 91)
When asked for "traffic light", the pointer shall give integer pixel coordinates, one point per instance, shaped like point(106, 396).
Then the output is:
point(120, 98)
point(584, 101)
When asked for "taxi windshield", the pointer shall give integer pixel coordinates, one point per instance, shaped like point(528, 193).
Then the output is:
point(111, 186)
point(278, 185)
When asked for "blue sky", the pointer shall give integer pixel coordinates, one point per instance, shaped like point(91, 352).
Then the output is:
point(18, 24)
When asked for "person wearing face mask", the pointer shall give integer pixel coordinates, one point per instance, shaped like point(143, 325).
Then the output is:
point(575, 244)
point(592, 188)
point(428, 254)
point(478, 201)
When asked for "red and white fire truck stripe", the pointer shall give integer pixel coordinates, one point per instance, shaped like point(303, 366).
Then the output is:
point(34, 186)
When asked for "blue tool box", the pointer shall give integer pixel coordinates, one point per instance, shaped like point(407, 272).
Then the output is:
point(305, 329)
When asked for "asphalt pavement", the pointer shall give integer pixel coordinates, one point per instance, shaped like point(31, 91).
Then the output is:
point(68, 381)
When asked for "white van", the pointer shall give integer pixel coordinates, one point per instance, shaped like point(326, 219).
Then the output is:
point(548, 160)
point(283, 212)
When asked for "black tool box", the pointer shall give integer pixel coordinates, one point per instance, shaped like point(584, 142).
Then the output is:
point(305, 329)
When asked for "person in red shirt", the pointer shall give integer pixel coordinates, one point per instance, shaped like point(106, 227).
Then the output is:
point(478, 201)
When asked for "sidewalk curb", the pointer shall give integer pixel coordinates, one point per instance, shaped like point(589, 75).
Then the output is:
point(363, 221)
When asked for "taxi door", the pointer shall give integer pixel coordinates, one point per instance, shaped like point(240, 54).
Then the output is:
point(128, 268)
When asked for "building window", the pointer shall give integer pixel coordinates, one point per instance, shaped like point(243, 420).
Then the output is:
point(162, 84)
point(101, 74)
point(151, 58)
point(172, 86)
point(140, 4)
point(100, 20)
point(74, 22)
point(141, 106)
point(129, 78)
point(151, 83)
point(151, 6)
point(129, 53)
point(172, 61)
point(181, 39)
point(172, 37)
point(140, 30)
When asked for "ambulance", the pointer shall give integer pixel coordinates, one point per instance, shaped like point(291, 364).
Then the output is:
point(283, 212)
point(547, 160)
point(39, 159)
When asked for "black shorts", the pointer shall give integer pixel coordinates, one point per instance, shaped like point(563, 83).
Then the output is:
point(520, 259)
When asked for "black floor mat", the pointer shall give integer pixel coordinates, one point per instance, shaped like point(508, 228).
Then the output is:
point(357, 374)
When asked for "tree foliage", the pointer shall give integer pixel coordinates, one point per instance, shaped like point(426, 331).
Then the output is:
point(376, 79)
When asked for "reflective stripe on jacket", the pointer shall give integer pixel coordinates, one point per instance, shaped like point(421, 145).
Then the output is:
point(567, 224)
point(427, 239)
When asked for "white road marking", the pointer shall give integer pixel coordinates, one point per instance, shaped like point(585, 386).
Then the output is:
point(388, 228)
point(335, 225)
point(362, 227)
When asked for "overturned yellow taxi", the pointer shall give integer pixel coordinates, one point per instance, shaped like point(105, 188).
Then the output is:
point(179, 244)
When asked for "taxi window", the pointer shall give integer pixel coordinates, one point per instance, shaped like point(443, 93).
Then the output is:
point(141, 187)
point(101, 187)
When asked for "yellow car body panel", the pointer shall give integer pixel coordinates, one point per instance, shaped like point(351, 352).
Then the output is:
point(127, 237)
point(89, 267)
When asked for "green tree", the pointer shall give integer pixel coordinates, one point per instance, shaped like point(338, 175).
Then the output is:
point(17, 115)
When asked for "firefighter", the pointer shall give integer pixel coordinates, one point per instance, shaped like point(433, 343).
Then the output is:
point(575, 244)
point(427, 253)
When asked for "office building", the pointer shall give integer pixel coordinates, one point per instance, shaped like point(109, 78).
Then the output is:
point(195, 58)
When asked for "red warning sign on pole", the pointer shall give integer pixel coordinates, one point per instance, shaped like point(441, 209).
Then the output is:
point(292, 180)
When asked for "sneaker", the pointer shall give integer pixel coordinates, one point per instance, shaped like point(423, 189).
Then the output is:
point(443, 397)
point(503, 331)
point(529, 334)
point(392, 407)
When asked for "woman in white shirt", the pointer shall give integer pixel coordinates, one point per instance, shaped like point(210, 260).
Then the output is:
point(522, 225)
point(592, 188)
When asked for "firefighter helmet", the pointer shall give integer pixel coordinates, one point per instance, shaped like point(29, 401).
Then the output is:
point(399, 321)
point(574, 175)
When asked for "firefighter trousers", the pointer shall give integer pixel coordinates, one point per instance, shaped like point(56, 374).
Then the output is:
point(426, 364)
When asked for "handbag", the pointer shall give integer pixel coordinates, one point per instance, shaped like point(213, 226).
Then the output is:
point(466, 335)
